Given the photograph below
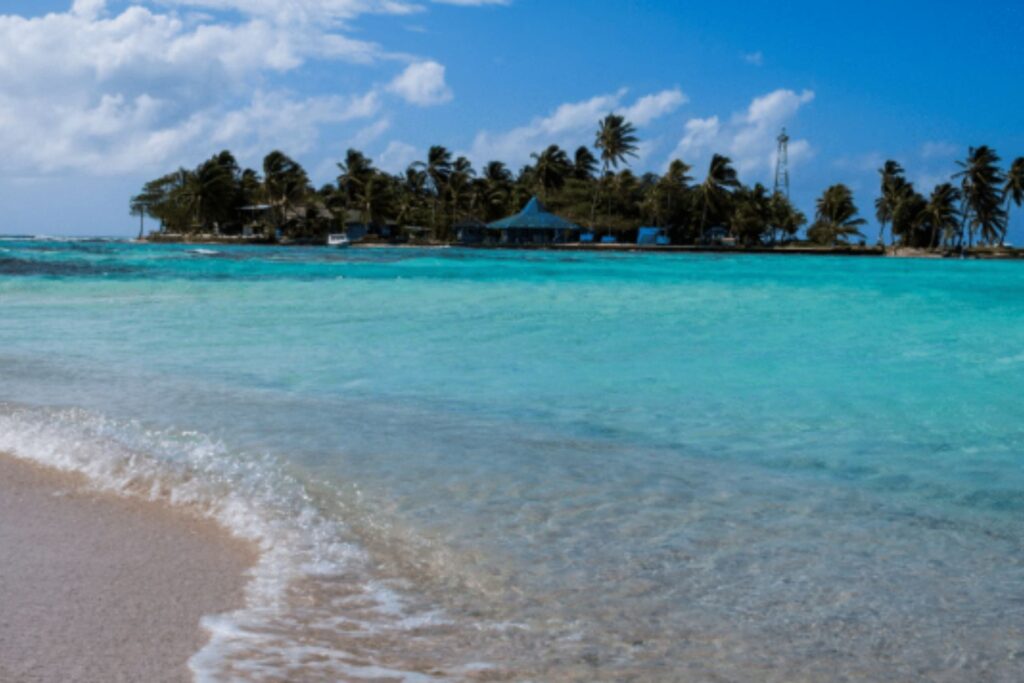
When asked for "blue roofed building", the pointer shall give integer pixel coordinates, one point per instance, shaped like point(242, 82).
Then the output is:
point(534, 225)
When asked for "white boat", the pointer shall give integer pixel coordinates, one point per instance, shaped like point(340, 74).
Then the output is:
point(338, 240)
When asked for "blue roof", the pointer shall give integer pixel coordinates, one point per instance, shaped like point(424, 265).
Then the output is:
point(533, 217)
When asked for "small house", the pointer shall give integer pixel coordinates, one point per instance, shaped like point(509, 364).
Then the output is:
point(534, 225)
point(471, 231)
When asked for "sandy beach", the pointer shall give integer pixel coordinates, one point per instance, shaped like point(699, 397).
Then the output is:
point(99, 588)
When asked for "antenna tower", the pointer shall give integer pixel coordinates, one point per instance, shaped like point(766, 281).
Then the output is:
point(782, 165)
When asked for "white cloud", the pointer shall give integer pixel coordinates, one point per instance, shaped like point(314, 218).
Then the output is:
point(750, 137)
point(866, 162)
point(939, 150)
point(699, 136)
point(334, 12)
point(109, 88)
point(88, 9)
point(754, 142)
point(274, 120)
point(370, 133)
point(422, 84)
point(754, 58)
point(776, 106)
point(570, 125)
point(652, 107)
point(397, 157)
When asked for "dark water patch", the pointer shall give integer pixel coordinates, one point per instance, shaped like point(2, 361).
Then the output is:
point(31, 268)
point(999, 500)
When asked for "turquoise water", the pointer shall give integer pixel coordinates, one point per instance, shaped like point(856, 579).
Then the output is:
point(468, 465)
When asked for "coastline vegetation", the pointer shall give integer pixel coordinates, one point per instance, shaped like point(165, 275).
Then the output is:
point(432, 198)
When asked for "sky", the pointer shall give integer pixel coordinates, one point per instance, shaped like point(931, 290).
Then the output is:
point(98, 96)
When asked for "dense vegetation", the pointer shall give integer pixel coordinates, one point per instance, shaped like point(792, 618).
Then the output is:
point(595, 189)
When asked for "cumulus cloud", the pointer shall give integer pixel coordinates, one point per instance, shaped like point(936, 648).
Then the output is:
point(749, 137)
point(571, 124)
point(397, 156)
point(699, 136)
point(652, 107)
point(334, 12)
point(370, 133)
point(88, 9)
point(115, 88)
point(422, 84)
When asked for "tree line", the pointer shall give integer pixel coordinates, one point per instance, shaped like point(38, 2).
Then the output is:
point(593, 187)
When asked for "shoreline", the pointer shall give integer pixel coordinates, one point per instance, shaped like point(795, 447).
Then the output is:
point(96, 587)
point(985, 253)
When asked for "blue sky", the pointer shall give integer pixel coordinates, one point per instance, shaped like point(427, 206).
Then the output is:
point(99, 96)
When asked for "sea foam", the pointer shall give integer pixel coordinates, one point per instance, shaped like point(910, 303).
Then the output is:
point(256, 500)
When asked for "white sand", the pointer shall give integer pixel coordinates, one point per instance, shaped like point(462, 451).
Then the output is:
point(98, 588)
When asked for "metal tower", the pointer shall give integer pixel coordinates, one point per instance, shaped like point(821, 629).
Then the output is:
point(782, 165)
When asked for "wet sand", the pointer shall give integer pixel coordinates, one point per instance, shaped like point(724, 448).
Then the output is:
point(98, 588)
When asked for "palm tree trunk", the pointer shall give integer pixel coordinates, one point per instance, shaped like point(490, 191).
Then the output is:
point(1002, 235)
point(703, 219)
point(608, 204)
point(608, 213)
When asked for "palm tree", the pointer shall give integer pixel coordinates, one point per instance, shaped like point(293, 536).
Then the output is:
point(356, 171)
point(626, 196)
point(981, 182)
point(893, 187)
point(666, 195)
point(213, 191)
point(250, 187)
point(363, 187)
point(1014, 189)
point(438, 167)
point(284, 182)
point(138, 207)
point(460, 187)
point(836, 218)
point(551, 169)
point(617, 141)
point(149, 201)
point(785, 218)
point(584, 164)
point(412, 187)
point(372, 197)
point(675, 186)
point(713, 194)
point(167, 199)
point(752, 218)
point(497, 180)
point(906, 219)
point(942, 216)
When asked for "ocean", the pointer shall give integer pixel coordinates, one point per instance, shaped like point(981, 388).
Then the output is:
point(468, 465)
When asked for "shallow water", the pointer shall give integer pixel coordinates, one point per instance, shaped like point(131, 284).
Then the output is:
point(472, 465)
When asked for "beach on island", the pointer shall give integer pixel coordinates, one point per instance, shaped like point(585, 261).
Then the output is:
point(100, 588)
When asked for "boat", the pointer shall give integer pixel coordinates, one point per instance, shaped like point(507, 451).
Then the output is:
point(338, 240)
